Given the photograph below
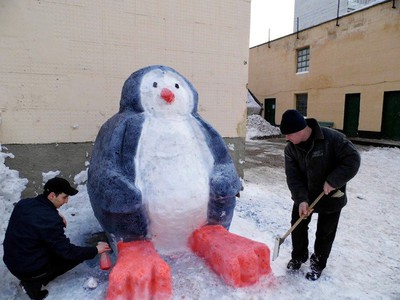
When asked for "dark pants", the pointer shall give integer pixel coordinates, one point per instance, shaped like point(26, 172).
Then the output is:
point(324, 237)
point(33, 281)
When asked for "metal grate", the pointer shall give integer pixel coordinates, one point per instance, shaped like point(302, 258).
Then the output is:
point(303, 59)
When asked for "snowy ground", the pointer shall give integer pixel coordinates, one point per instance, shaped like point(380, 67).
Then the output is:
point(364, 264)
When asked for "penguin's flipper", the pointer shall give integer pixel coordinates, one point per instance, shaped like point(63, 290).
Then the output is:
point(224, 186)
point(220, 211)
point(116, 201)
point(139, 273)
point(224, 181)
point(238, 260)
point(120, 210)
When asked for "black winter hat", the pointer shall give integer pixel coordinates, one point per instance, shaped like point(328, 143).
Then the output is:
point(292, 121)
point(59, 185)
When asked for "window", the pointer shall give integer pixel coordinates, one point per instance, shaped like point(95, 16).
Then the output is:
point(303, 59)
point(301, 103)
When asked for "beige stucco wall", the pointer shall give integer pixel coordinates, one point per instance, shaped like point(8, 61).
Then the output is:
point(63, 63)
point(361, 55)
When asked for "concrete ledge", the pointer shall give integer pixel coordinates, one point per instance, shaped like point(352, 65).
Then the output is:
point(33, 159)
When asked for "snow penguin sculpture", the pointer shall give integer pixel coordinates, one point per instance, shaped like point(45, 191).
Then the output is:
point(158, 175)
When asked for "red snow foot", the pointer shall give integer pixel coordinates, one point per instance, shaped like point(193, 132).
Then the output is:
point(240, 261)
point(139, 273)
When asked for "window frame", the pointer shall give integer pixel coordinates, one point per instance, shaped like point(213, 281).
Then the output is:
point(303, 60)
point(302, 103)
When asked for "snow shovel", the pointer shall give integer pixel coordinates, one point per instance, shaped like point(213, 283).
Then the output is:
point(279, 240)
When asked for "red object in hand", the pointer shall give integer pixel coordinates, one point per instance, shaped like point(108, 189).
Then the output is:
point(105, 261)
point(139, 273)
point(238, 260)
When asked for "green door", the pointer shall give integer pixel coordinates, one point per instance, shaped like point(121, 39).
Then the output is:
point(351, 114)
point(269, 113)
point(391, 116)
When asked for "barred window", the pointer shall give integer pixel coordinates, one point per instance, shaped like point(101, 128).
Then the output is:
point(303, 59)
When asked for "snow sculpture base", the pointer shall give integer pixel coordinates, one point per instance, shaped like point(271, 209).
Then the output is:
point(238, 260)
point(139, 273)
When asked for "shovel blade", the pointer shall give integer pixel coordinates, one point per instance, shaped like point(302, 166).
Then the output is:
point(337, 194)
point(278, 242)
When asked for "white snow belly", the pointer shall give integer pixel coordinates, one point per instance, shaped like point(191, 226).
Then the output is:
point(173, 163)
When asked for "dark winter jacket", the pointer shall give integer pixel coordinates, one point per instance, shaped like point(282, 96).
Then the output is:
point(35, 232)
point(331, 157)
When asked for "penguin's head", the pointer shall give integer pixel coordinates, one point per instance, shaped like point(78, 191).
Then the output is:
point(159, 91)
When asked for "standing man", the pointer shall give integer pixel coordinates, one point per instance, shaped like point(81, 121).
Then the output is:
point(316, 159)
point(36, 249)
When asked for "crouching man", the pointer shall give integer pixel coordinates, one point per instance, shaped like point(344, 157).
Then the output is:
point(36, 249)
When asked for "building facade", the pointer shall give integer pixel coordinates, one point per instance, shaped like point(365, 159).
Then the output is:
point(63, 63)
point(343, 72)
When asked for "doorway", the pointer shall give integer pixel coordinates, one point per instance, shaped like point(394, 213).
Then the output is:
point(391, 116)
point(269, 113)
point(351, 114)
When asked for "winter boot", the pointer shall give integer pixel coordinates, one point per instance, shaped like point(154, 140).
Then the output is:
point(295, 264)
point(315, 268)
point(33, 289)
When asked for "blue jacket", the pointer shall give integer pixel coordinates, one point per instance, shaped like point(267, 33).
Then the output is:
point(35, 233)
point(332, 158)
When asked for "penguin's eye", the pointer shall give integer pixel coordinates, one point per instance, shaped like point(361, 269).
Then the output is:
point(177, 85)
point(155, 84)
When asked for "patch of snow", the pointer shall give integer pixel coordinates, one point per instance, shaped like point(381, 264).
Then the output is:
point(252, 106)
point(11, 187)
point(364, 263)
point(49, 175)
point(91, 283)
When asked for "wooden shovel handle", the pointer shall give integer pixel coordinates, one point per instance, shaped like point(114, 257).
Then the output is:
point(302, 217)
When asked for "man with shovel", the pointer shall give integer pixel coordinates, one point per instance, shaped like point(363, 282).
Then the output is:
point(317, 159)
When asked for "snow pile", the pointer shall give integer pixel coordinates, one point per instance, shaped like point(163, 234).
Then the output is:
point(258, 127)
point(11, 187)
